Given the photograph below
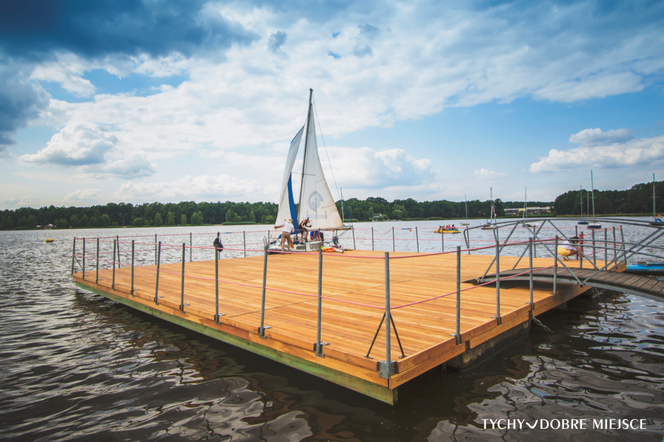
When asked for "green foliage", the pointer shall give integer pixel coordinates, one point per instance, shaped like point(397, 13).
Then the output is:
point(170, 219)
point(183, 219)
point(197, 218)
point(158, 221)
point(138, 222)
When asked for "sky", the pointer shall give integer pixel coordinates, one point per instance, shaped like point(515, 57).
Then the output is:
point(190, 100)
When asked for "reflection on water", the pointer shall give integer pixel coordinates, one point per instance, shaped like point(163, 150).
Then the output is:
point(79, 367)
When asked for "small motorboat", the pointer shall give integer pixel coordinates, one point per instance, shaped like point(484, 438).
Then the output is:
point(49, 240)
point(647, 268)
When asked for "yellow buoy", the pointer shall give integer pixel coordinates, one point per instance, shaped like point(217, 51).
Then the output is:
point(49, 240)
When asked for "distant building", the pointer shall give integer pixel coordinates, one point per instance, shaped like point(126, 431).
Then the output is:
point(49, 226)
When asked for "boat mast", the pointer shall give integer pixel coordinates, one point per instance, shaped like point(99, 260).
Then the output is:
point(654, 212)
point(581, 199)
point(525, 203)
point(592, 186)
point(306, 142)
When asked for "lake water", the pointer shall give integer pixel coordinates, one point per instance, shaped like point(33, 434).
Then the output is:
point(76, 366)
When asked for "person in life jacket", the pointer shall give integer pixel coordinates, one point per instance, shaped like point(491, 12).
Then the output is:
point(217, 244)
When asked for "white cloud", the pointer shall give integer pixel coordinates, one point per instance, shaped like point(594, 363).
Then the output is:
point(632, 152)
point(595, 137)
point(82, 195)
point(202, 187)
point(75, 146)
point(485, 174)
point(365, 168)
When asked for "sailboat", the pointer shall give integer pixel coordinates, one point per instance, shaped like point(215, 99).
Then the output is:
point(465, 223)
point(592, 193)
point(315, 201)
point(525, 211)
point(656, 220)
point(583, 221)
point(491, 222)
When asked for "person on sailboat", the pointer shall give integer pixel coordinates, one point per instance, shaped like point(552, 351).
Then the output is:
point(303, 229)
point(286, 229)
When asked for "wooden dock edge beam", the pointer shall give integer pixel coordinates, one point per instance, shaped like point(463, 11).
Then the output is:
point(361, 386)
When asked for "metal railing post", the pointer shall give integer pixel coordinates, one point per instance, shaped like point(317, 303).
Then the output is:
point(353, 230)
point(622, 235)
point(615, 251)
point(319, 342)
point(244, 242)
point(458, 296)
point(417, 240)
point(113, 282)
point(84, 258)
point(261, 330)
point(497, 281)
point(594, 250)
point(606, 246)
point(532, 303)
point(97, 273)
point(372, 238)
point(155, 249)
point(156, 288)
point(73, 257)
point(191, 245)
point(442, 240)
point(216, 286)
point(132, 268)
point(394, 245)
point(184, 258)
point(118, 238)
point(555, 270)
point(388, 318)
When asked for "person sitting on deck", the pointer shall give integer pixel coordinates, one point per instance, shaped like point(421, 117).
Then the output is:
point(303, 229)
point(286, 229)
point(218, 245)
point(568, 248)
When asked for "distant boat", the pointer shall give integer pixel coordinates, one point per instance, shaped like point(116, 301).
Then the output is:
point(656, 219)
point(592, 194)
point(583, 221)
point(444, 230)
point(465, 223)
point(491, 222)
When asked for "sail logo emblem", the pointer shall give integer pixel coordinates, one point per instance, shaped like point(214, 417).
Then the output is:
point(315, 200)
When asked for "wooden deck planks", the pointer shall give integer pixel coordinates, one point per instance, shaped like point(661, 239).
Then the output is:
point(354, 299)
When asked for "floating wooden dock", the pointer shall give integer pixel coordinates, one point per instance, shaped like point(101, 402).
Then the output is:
point(423, 301)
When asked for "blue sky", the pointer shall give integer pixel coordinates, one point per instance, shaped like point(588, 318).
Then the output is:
point(142, 101)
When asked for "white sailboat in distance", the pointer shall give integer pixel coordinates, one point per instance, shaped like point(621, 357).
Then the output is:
point(315, 200)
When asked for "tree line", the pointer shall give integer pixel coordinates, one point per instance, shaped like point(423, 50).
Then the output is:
point(637, 200)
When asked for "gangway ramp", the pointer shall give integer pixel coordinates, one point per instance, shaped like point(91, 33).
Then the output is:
point(608, 280)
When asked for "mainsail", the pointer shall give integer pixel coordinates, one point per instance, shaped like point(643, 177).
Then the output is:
point(315, 201)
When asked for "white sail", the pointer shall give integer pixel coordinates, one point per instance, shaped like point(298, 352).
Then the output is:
point(316, 202)
point(285, 201)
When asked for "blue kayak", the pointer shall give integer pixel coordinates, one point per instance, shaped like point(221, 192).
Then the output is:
point(645, 267)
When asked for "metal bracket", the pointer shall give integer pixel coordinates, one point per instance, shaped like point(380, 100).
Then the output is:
point(318, 347)
point(382, 369)
point(261, 331)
